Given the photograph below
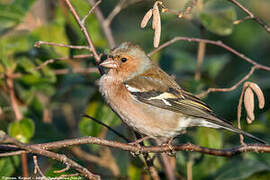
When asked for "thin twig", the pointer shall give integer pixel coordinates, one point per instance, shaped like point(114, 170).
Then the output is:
point(49, 61)
point(62, 170)
point(167, 166)
point(184, 12)
point(251, 15)
point(108, 127)
point(59, 157)
point(13, 100)
point(84, 30)
point(239, 110)
point(39, 43)
point(217, 43)
point(118, 8)
point(90, 11)
point(241, 20)
point(149, 161)
point(200, 57)
point(37, 169)
point(105, 27)
point(76, 70)
point(189, 169)
point(151, 168)
point(114, 12)
point(18, 115)
point(203, 94)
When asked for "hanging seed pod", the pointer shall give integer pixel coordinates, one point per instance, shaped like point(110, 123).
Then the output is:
point(146, 18)
point(249, 104)
point(156, 25)
point(259, 94)
point(156, 15)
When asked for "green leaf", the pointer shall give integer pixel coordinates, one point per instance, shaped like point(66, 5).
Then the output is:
point(240, 169)
point(219, 21)
point(22, 130)
point(208, 137)
point(213, 65)
point(8, 165)
point(13, 13)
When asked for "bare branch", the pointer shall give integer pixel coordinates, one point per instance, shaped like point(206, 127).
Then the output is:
point(251, 15)
point(76, 70)
point(62, 170)
point(217, 43)
point(49, 61)
point(203, 94)
point(117, 9)
point(40, 148)
point(105, 27)
point(200, 57)
point(184, 12)
point(114, 12)
point(38, 43)
point(59, 157)
point(84, 30)
point(37, 169)
point(108, 127)
point(241, 20)
point(90, 11)
point(13, 100)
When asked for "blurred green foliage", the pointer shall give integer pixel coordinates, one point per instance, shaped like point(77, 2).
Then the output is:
point(52, 104)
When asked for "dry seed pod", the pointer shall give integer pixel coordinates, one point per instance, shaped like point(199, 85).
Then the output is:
point(157, 35)
point(156, 25)
point(249, 104)
point(249, 120)
point(259, 94)
point(156, 15)
point(146, 18)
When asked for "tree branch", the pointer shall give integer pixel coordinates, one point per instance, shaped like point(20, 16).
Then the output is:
point(35, 148)
point(38, 43)
point(41, 151)
point(84, 30)
point(203, 94)
point(251, 15)
point(105, 27)
point(217, 43)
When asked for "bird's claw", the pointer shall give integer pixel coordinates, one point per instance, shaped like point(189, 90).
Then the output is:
point(172, 152)
point(138, 146)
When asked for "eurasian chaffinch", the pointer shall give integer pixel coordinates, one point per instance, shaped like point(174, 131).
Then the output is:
point(148, 100)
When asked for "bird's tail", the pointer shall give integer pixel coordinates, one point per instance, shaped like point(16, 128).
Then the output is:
point(230, 127)
point(239, 131)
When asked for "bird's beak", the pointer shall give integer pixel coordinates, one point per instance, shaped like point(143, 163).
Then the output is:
point(109, 63)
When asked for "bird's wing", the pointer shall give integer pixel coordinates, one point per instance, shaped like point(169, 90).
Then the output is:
point(156, 88)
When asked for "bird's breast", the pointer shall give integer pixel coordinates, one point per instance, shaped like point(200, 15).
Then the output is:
point(146, 119)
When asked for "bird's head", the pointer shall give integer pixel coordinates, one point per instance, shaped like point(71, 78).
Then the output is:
point(126, 61)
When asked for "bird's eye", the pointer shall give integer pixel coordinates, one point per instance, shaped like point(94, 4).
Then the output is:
point(123, 59)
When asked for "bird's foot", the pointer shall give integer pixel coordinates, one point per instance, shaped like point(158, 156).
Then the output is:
point(138, 146)
point(172, 152)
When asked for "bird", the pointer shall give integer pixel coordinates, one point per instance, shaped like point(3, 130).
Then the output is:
point(149, 100)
